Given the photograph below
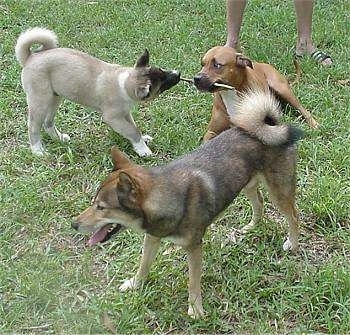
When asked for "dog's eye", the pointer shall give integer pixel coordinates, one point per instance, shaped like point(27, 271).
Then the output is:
point(217, 65)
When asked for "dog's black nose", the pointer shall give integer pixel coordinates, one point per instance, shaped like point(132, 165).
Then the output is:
point(75, 225)
point(175, 75)
point(197, 78)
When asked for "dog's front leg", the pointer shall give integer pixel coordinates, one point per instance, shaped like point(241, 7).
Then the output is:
point(125, 126)
point(149, 251)
point(194, 257)
point(283, 90)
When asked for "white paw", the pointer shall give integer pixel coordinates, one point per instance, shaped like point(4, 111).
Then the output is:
point(64, 137)
point(195, 312)
point(129, 284)
point(147, 138)
point(288, 245)
point(38, 149)
point(146, 152)
point(142, 149)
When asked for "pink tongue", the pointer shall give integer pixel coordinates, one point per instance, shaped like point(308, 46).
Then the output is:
point(99, 236)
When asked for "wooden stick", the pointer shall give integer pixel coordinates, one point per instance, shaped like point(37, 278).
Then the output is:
point(187, 80)
point(215, 84)
point(224, 86)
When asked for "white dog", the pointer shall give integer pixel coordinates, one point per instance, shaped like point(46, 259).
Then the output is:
point(51, 73)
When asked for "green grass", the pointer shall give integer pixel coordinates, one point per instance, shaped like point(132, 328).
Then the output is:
point(51, 283)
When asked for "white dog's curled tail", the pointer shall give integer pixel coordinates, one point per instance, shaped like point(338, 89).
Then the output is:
point(259, 113)
point(43, 36)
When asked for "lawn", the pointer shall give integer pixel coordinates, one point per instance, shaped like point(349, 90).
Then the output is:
point(51, 282)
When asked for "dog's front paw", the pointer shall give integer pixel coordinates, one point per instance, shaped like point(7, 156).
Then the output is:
point(147, 138)
point(146, 152)
point(129, 284)
point(195, 311)
point(289, 245)
point(142, 149)
point(64, 137)
point(38, 149)
point(313, 123)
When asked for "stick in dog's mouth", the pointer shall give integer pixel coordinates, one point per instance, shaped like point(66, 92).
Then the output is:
point(228, 87)
point(187, 80)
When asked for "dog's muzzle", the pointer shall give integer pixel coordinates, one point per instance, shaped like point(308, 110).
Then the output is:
point(203, 82)
point(101, 235)
point(172, 78)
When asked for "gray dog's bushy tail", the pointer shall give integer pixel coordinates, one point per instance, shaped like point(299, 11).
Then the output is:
point(45, 37)
point(259, 113)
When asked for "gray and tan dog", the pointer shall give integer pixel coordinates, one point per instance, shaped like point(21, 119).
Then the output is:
point(179, 200)
point(53, 73)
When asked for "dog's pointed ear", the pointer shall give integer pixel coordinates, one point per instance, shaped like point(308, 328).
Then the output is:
point(119, 159)
point(143, 60)
point(243, 61)
point(127, 190)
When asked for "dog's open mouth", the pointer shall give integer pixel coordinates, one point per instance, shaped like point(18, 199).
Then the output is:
point(104, 233)
point(204, 84)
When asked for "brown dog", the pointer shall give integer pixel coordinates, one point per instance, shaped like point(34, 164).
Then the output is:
point(179, 200)
point(224, 65)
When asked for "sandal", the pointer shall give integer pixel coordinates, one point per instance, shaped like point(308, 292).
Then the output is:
point(318, 56)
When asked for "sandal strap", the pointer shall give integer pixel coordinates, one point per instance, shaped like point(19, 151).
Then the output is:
point(320, 56)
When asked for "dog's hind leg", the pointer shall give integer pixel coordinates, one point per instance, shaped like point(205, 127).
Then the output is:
point(288, 209)
point(34, 127)
point(49, 124)
point(149, 252)
point(38, 107)
point(42, 108)
point(282, 191)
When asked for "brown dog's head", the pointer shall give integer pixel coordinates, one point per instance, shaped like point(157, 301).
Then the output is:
point(222, 65)
point(117, 203)
point(150, 81)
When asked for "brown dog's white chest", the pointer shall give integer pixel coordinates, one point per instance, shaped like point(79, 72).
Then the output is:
point(229, 98)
